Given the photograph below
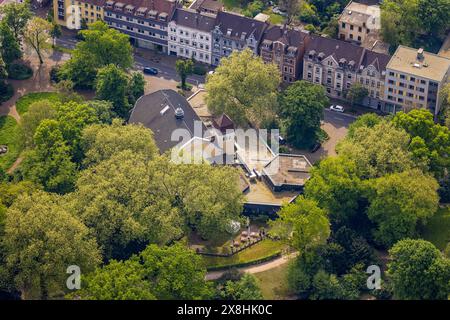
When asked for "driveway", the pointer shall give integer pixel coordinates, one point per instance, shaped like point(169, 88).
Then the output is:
point(336, 126)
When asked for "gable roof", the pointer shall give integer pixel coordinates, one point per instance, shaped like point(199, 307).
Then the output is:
point(378, 60)
point(193, 19)
point(156, 111)
point(240, 27)
point(223, 122)
point(338, 49)
point(287, 36)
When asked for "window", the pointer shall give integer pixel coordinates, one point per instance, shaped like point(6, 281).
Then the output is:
point(343, 25)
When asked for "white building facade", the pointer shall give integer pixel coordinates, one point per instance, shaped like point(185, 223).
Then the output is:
point(189, 35)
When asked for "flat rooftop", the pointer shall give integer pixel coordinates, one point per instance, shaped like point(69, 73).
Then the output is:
point(360, 13)
point(253, 153)
point(290, 169)
point(197, 101)
point(432, 66)
point(257, 191)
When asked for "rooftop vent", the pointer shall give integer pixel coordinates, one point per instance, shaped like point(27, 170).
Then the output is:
point(420, 54)
point(349, 11)
point(179, 113)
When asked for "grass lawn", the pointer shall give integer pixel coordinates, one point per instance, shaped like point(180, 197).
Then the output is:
point(259, 251)
point(24, 102)
point(437, 229)
point(273, 283)
point(10, 136)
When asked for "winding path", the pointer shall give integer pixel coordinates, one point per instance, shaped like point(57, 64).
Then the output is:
point(214, 275)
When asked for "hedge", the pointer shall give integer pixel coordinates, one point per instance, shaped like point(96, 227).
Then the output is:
point(245, 264)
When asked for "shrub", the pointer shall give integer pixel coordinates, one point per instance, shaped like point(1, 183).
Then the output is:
point(199, 70)
point(18, 71)
point(6, 91)
point(55, 75)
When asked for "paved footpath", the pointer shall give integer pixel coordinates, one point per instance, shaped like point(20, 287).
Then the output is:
point(213, 275)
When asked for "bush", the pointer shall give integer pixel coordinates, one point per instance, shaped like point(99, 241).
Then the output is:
point(6, 91)
point(18, 71)
point(199, 70)
point(55, 75)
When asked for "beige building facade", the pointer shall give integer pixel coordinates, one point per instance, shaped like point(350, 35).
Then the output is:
point(414, 79)
point(72, 14)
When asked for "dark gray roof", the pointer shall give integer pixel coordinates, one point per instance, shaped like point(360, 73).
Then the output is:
point(148, 111)
point(287, 36)
point(238, 25)
point(195, 20)
point(378, 60)
point(337, 48)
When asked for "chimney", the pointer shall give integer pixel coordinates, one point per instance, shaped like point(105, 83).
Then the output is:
point(420, 54)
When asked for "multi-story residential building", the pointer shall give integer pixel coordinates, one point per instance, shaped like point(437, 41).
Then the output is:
point(337, 65)
point(358, 20)
point(332, 63)
point(145, 21)
point(414, 79)
point(285, 47)
point(235, 32)
point(72, 13)
point(371, 74)
point(190, 35)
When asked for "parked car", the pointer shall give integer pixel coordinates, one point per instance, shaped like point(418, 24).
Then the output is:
point(315, 147)
point(337, 108)
point(281, 140)
point(150, 70)
point(211, 72)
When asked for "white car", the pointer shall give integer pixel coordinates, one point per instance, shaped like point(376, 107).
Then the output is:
point(337, 108)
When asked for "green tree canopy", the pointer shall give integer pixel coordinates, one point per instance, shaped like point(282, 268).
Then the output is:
point(243, 87)
point(9, 45)
point(399, 202)
point(244, 289)
point(303, 224)
point(302, 106)
point(184, 68)
point(118, 280)
point(175, 272)
point(335, 185)
point(37, 111)
point(418, 271)
point(100, 47)
point(41, 240)
point(378, 150)
point(49, 163)
point(430, 142)
point(100, 142)
point(112, 85)
point(121, 188)
point(16, 16)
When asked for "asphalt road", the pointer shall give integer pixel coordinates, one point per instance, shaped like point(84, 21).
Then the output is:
point(164, 71)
